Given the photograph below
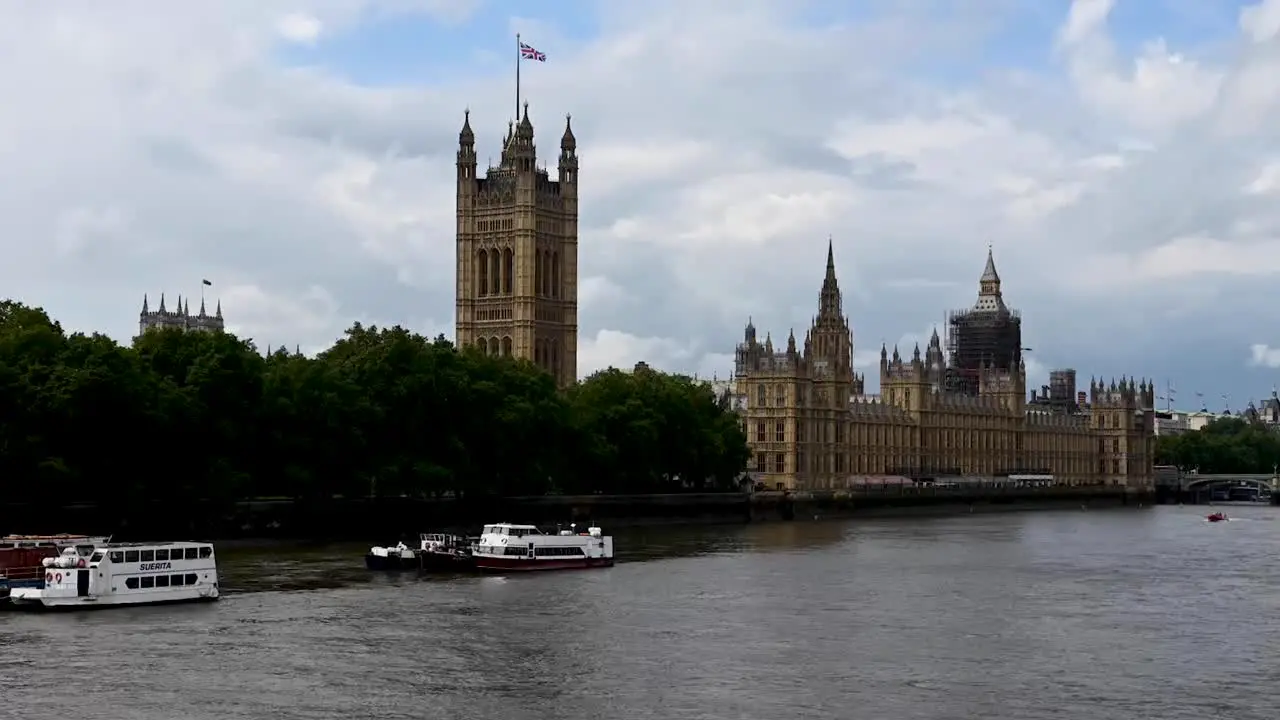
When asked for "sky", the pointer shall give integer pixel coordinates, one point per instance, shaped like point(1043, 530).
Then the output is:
point(1120, 157)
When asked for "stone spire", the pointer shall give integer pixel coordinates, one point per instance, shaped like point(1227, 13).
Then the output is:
point(829, 300)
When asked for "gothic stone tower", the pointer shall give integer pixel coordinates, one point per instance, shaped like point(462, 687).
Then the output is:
point(517, 252)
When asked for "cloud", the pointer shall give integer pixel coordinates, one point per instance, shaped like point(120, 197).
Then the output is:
point(1263, 355)
point(299, 28)
point(305, 163)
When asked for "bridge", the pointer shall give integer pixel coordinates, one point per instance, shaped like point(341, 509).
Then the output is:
point(1175, 486)
point(1200, 482)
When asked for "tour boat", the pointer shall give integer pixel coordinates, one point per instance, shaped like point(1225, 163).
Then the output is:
point(115, 574)
point(507, 547)
point(20, 557)
point(1216, 517)
point(435, 551)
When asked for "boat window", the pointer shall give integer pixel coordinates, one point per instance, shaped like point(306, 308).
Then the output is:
point(206, 551)
point(162, 581)
point(117, 556)
point(162, 554)
point(131, 556)
point(191, 578)
point(131, 583)
point(97, 556)
point(147, 581)
point(192, 553)
point(147, 555)
point(175, 580)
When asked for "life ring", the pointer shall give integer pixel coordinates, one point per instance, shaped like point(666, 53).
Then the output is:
point(80, 563)
point(48, 577)
point(57, 578)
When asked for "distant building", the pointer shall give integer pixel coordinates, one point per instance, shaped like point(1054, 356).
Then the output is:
point(179, 317)
point(1060, 394)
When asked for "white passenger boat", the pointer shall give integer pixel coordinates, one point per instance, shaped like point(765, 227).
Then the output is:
point(506, 547)
point(110, 574)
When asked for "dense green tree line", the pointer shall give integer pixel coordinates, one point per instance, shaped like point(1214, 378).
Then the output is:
point(384, 412)
point(1226, 445)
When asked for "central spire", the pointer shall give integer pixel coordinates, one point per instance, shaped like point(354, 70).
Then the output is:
point(829, 300)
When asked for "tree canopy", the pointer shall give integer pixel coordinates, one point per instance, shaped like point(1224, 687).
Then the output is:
point(384, 412)
point(1226, 445)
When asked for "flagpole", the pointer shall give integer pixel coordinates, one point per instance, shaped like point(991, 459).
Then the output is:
point(517, 118)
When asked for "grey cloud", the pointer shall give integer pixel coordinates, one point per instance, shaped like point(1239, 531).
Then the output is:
point(290, 179)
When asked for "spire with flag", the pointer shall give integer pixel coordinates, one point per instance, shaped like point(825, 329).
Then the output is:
point(524, 52)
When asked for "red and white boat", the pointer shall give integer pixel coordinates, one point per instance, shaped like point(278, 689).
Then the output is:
point(21, 557)
point(506, 547)
point(1217, 517)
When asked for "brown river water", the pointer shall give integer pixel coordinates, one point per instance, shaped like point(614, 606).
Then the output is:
point(1127, 614)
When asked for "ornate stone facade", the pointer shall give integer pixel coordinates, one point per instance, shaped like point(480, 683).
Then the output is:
point(811, 426)
point(517, 252)
point(182, 317)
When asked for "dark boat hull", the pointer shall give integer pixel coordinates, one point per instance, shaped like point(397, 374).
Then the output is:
point(519, 564)
point(379, 562)
point(446, 562)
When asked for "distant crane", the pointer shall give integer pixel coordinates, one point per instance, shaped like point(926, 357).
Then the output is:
point(1226, 404)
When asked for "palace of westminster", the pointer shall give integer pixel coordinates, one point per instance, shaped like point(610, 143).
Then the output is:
point(810, 425)
point(955, 409)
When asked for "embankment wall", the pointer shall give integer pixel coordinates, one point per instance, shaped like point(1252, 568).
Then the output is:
point(388, 519)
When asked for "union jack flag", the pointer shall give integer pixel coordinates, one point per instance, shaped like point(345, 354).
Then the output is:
point(528, 53)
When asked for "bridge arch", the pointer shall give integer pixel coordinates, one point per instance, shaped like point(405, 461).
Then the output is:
point(1208, 482)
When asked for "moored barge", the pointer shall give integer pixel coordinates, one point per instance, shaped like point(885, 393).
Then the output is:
point(436, 552)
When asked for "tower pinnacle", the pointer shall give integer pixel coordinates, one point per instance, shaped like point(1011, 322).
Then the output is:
point(829, 300)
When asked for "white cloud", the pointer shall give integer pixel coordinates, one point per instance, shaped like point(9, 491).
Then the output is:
point(1263, 355)
point(1129, 193)
point(299, 28)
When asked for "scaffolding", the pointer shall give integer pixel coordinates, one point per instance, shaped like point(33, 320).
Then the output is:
point(1060, 394)
point(978, 338)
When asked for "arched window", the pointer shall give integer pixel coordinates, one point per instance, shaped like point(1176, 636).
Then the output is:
point(539, 348)
point(482, 273)
point(493, 346)
point(506, 342)
point(554, 362)
point(555, 274)
point(508, 270)
point(495, 272)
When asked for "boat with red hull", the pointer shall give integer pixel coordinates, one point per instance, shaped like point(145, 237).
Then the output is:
point(1216, 517)
point(506, 547)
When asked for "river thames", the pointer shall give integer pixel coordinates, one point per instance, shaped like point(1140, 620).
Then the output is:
point(1098, 614)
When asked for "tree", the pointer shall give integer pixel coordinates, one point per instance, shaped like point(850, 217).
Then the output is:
point(184, 418)
point(1226, 445)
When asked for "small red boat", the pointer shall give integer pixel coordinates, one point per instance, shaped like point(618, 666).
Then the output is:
point(1216, 517)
